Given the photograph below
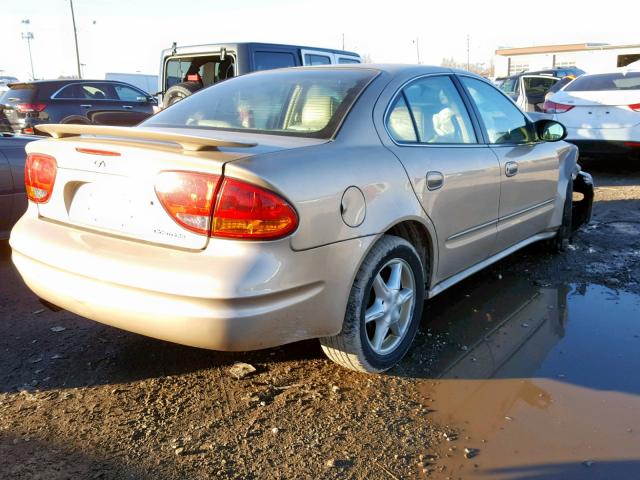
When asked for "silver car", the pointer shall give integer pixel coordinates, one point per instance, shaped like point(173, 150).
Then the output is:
point(293, 204)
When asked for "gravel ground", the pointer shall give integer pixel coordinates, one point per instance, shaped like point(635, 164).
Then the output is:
point(82, 400)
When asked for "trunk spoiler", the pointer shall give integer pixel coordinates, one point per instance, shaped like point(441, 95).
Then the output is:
point(186, 142)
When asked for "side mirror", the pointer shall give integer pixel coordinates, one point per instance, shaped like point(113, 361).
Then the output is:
point(550, 130)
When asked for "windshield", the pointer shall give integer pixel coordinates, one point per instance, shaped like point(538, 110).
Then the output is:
point(605, 81)
point(301, 102)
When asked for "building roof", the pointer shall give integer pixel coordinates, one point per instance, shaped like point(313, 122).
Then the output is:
point(567, 47)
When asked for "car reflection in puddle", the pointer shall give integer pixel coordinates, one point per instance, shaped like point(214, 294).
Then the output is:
point(544, 381)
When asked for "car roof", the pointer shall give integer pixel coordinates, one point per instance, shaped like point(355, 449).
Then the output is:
point(262, 44)
point(391, 68)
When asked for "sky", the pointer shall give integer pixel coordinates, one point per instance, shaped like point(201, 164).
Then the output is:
point(128, 36)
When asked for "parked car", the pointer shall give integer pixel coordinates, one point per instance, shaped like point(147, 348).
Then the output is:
point(323, 202)
point(100, 102)
point(185, 70)
point(527, 90)
point(13, 200)
point(601, 112)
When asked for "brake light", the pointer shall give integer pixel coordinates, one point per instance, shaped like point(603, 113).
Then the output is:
point(30, 107)
point(552, 107)
point(247, 211)
point(242, 210)
point(39, 176)
point(93, 151)
point(188, 197)
point(635, 107)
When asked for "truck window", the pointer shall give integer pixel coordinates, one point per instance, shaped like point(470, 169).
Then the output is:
point(270, 60)
point(348, 60)
point(311, 59)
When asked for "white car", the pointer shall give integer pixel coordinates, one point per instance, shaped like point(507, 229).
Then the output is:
point(601, 112)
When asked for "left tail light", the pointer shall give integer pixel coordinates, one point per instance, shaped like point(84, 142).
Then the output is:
point(553, 107)
point(30, 107)
point(39, 176)
point(635, 107)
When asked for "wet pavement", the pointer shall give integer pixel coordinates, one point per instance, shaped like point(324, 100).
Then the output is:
point(543, 380)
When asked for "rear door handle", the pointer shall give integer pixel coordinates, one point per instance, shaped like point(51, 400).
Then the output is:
point(86, 105)
point(128, 107)
point(511, 169)
point(435, 180)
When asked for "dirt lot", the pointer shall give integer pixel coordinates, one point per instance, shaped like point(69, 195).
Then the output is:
point(531, 366)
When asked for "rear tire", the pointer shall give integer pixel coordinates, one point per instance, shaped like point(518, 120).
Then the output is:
point(562, 239)
point(384, 309)
point(178, 92)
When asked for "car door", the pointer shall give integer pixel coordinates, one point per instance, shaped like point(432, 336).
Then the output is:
point(6, 193)
point(533, 89)
point(454, 175)
point(529, 168)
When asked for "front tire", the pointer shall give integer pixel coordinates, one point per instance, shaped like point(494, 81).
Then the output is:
point(384, 309)
point(562, 239)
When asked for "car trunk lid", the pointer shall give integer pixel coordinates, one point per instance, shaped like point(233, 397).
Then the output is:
point(598, 109)
point(106, 177)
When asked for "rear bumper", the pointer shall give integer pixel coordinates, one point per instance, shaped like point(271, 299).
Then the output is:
point(230, 296)
point(625, 149)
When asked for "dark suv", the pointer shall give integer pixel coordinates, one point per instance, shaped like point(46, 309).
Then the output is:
point(99, 102)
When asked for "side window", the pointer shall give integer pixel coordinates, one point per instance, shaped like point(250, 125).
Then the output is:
point(504, 122)
point(438, 112)
point(269, 60)
point(344, 60)
point(97, 91)
point(399, 122)
point(129, 94)
point(311, 59)
point(69, 92)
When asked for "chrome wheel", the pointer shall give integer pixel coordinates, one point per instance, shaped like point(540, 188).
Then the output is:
point(390, 306)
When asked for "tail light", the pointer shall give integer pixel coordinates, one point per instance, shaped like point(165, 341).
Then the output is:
point(248, 211)
point(635, 107)
point(30, 107)
point(39, 176)
point(552, 107)
point(188, 197)
point(230, 208)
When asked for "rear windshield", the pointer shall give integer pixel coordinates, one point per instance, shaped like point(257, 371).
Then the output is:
point(605, 81)
point(300, 102)
point(19, 93)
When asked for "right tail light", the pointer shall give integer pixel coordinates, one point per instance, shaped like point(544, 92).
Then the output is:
point(224, 207)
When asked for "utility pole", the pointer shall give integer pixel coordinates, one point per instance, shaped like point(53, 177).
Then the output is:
point(75, 36)
point(28, 36)
point(468, 63)
point(343, 41)
point(417, 42)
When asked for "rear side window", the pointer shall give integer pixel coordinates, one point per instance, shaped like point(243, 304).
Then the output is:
point(309, 102)
point(345, 60)
point(20, 93)
point(87, 91)
point(605, 81)
point(436, 111)
point(537, 86)
point(311, 59)
point(271, 60)
point(504, 122)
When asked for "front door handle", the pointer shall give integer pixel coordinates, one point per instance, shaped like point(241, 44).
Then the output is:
point(128, 107)
point(435, 180)
point(86, 105)
point(511, 169)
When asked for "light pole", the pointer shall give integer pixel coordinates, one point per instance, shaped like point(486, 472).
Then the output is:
point(28, 36)
point(75, 36)
point(417, 42)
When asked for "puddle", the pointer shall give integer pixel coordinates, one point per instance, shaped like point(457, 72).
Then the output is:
point(543, 381)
